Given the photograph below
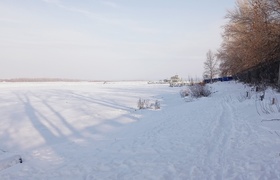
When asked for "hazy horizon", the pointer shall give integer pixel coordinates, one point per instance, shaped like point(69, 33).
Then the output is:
point(108, 40)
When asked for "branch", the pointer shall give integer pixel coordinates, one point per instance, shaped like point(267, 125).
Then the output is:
point(271, 120)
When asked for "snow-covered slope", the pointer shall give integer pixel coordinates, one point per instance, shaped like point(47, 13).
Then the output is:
point(94, 131)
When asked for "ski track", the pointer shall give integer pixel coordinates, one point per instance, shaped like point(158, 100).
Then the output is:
point(207, 139)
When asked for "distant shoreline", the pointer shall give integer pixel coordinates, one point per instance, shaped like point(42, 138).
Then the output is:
point(62, 80)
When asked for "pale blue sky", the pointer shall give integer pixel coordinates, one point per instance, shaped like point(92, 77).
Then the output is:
point(107, 39)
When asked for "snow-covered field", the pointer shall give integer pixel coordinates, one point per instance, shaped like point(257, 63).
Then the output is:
point(94, 131)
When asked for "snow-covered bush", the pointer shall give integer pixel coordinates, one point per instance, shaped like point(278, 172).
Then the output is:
point(145, 104)
point(198, 90)
point(157, 104)
point(141, 104)
point(184, 93)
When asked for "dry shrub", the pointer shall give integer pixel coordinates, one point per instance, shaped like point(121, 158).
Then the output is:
point(198, 90)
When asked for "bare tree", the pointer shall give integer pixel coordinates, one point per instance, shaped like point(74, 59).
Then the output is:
point(210, 66)
point(251, 37)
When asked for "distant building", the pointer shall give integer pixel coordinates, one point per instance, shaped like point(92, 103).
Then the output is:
point(175, 81)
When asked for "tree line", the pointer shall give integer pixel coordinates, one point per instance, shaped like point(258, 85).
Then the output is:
point(39, 80)
point(251, 36)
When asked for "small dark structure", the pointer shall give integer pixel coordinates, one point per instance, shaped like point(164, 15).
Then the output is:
point(226, 78)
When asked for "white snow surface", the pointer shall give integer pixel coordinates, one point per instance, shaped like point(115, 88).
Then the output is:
point(95, 131)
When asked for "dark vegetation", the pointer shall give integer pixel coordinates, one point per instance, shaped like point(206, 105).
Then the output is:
point(250, 50)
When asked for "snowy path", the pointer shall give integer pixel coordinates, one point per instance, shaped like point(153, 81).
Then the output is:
point(96, 134)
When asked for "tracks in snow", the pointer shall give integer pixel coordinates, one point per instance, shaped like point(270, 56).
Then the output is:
point(201, 141)
point(214, 147)
point(200, 145)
